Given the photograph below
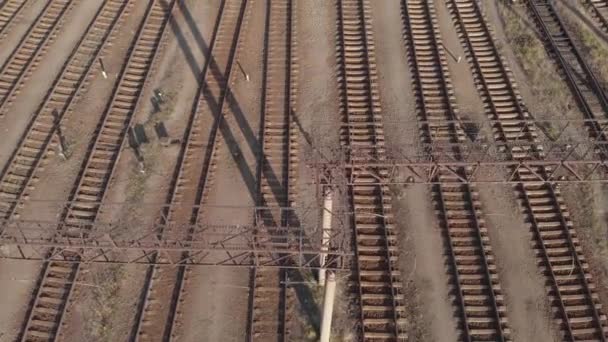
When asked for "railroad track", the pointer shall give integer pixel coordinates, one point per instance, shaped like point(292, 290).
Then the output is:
point(475, 280)
point(378, 282)
point(570, 287)
point(9, 10)
point(19, 174)
point(159, 313)
point(581, 80)
point(55, 286)
point(271, 297)
point(599, 11)
point(27, 55)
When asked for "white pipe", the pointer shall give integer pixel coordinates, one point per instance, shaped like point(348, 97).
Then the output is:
point(327, 208)
point(328, 307)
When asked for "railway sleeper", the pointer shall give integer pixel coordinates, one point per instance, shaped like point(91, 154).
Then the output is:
point(580, 324)
point(559, 250)
point(582, 334)
point(577, 310)
point(473, 259)
point(476, 278)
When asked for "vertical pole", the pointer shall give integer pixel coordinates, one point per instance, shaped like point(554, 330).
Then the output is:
point(326, 233)
point(243, 70)
point(103, 69)
point(457, 59)
point(328, 307)
point(61, 140)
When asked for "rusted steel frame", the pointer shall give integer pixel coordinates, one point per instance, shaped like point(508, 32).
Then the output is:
point(492, 172)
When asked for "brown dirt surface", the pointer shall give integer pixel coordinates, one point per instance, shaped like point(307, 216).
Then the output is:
point(217, 299)
point(19, 27)
point(17, 279)
point(176, 75)
point(591, 41)
point(56, 180)
point(422, 263)
point(37, 85)
point(318, 119)
point(235, 185)
point(527, 310)
point(584, 202)
point(544, 91)
point(587, 201)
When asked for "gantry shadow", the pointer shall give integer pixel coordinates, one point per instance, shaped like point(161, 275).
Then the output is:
point(250, 176)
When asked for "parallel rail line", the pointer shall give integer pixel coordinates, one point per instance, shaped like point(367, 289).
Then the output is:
point(19, 174)
point(56, 285)
point(476, 285)
point(159, 313)
point(9, 11)
point(570, 287)
point(599, 10)
point(378, 282)
point(271, 297)
point(584, 85)
point(26, 57)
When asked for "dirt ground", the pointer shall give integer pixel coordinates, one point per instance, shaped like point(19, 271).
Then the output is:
point(431, 314)
point(15, 32)
point(221, 294)
point(60, 175)
point(587, 202)
point(317, 114)
point(527, 311)
point(37, 85)
point(106, 299)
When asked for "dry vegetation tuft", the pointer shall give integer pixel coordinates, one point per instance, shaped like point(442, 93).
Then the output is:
point(104, 299)
point(544, 80)
point(593, 50)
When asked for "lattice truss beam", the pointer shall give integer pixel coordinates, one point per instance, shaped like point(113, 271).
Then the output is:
point(566, 161)
point(483, 161)
point(210, 245)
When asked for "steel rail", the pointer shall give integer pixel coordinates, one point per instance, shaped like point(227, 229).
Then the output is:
point(557, 248)
point(19, 173)
point(28, 54)
point(268, 314)
point(467, 240)
point(159, 312)
point(599, 10)
point(382, 311)
point(53, 293)
point(9, 11)
point(585, 87)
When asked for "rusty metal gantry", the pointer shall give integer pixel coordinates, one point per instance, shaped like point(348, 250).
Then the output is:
point(211, 245)
point(566, 160)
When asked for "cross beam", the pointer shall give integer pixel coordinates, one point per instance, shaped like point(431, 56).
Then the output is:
point(211, 245)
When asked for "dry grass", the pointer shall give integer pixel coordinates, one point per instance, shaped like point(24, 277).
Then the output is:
point(590, 220)
point(166, 109)
point(104, 300)
point(150, 152)
point(598, 53)
point(593, 50)
point(590, 198)
point(137, 181)
point(547, 86)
